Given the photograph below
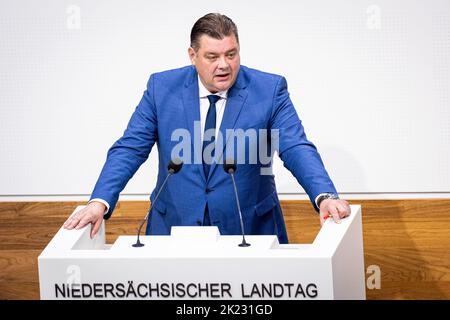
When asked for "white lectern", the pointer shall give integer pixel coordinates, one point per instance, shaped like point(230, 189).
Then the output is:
point(199, 263)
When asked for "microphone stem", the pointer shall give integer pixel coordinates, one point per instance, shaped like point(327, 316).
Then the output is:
point(151, 206)
point(239, 206)
point(157, 195)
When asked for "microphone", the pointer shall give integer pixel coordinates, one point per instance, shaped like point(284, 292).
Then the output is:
point(230, 167)
point(172, 168)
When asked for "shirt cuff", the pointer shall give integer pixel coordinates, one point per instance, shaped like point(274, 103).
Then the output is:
point(101, 201)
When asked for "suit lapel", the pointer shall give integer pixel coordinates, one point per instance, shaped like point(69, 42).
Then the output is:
point(191, 104)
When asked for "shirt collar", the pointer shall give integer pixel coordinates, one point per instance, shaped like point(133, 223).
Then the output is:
point(203, 92)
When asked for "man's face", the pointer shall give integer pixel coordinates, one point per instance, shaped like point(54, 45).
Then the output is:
point(217, 62)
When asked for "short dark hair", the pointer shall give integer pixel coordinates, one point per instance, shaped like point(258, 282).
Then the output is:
point(215, 25)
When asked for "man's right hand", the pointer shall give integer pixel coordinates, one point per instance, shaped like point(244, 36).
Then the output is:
point(92, 213)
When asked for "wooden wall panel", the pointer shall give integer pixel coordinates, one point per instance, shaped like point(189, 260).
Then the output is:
point(408, 239)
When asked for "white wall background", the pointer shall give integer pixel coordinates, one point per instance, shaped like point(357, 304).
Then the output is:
point(370, 80)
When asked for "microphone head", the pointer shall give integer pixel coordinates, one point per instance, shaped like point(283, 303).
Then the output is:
point(175, 165)
point(229, 166)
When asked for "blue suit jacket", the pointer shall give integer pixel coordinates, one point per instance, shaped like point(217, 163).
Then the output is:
point(257, 100)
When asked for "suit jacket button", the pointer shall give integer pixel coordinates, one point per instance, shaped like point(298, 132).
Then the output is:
point(208, 190)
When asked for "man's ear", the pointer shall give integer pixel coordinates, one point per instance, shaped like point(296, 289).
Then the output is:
point(192, 55)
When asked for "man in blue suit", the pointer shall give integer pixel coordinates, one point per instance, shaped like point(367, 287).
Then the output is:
point(203, 104)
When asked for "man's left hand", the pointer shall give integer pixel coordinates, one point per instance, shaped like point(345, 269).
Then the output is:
point(334, 208)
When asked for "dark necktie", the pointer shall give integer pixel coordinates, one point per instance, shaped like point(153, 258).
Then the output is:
point(210, 123)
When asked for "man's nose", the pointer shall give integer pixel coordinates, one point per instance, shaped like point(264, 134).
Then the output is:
point(223, 63)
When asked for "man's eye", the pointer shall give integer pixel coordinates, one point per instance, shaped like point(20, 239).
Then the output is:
point(231, 55)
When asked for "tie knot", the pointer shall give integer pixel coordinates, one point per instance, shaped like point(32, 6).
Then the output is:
point(213, 98)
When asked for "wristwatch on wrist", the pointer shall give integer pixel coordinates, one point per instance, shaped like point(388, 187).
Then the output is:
point(326, 196)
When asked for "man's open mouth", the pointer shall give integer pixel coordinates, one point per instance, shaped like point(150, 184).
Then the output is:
point(222, 76)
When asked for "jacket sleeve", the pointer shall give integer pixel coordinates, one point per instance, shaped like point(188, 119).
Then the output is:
point(129, 152)
point(298, 154)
